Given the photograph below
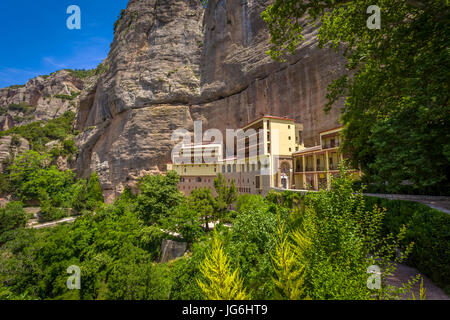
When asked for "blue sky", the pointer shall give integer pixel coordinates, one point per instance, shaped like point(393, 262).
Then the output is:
point(36, 41)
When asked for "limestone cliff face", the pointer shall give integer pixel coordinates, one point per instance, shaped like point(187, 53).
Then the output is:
point(173, 62)
point(152, 76)
point(43, 98)
point(10, 148)
point(240, 82)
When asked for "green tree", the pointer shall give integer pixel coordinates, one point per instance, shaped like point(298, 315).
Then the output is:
point(159, 195)
point(39, 133)
point(48, 212)
point(12, 216)
point(30, 173)
point(287, 259)
point(138, 279)
point(250, 244)
point(185, 220)
point(396, 112)
point(344, 240)
point(226, 194)
point(94, 191)
point(222, 282)
point(80, 196)
point(202, 202)
point(5, 184)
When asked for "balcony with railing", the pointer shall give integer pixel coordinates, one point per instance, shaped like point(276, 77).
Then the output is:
point(299, 167)
point(331, 143)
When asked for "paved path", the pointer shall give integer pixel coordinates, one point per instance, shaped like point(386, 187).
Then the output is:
point(441, 203)
point(405, 273)
point(52, 223)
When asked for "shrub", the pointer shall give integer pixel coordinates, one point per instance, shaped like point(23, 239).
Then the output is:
point(138, 279)
point(223, 282)
point(345, 240)
point(185, 221)
point(12, 216)
point(48, 212)
point(185, 272)
point(250, 244)
point(159, 195)
point(31, 172)
point(428, 228)
point(39, 133)
point(5, 185)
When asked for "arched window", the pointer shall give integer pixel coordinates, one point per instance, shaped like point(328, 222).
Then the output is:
point(229, 168)
point(223, 169)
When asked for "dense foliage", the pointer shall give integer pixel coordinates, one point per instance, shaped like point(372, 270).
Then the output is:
point(397, 110)
point(284, 246)
point(39, 133)
point(12, 217)
point(430, 231)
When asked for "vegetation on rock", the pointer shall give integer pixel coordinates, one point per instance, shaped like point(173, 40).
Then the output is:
point(396, 112)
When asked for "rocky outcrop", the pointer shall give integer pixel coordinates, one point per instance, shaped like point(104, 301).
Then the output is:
point(154, 59)
point(152, 76)
point(42, 98)
point(10, 147)
point(173, 62)
point(171, 250)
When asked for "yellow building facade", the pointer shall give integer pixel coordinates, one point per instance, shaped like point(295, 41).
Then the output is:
point(266, 154)
point(315, 166)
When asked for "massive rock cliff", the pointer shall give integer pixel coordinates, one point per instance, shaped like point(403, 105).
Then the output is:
point(152, 76)
point(173, 62)
point(240, 82)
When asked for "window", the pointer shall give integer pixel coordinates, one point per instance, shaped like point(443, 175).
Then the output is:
point(296, 148)
point(253, 167)
point(289, 126)
point(234, 168)
point(229, 168)
point(289, 137)
point(290, 149)
point(259, 165)
point(258, 182)
point(199, 179)
point(248, 167)
point(243, 167)
point(223, 169)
